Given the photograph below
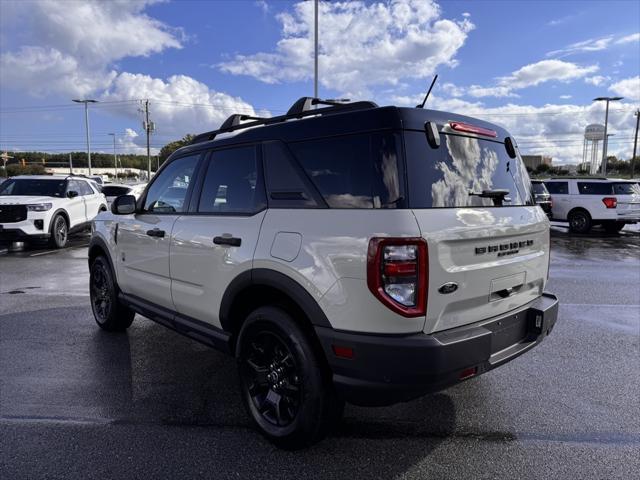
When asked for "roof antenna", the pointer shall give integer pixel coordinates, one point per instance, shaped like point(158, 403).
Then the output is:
point(427, 95)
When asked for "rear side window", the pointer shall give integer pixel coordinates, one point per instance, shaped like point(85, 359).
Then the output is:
point(557, 188)
point(115, 191)
point(85, 189)
point(538, 188)
point(232, 184)
point(595, 188)
point(626, 188)
point(454, 174)
point(355, 171)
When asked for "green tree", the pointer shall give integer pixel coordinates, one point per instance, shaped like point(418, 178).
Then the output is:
point(543, 168)
point(17, 169)
point(169, 148)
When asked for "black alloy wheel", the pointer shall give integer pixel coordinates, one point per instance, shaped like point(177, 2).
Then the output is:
point(272, 378)
point(101, 295)
point(285, 383)
point(110, 314)
point(580, 221)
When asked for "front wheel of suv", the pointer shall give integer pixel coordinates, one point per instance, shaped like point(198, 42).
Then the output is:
point(59, 232)
point(580, 221)
point(284, 385)
point(110, 314)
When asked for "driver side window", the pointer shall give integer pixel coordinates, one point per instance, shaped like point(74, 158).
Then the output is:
point(168, 192)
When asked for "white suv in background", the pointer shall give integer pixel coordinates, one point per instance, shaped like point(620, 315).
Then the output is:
point(347, 253)
point(36, 207)
point(588, 201)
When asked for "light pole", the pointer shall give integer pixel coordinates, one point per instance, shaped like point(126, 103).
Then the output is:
point(115, 159)
point(315, 52)
point(635, 143)
point(86, 124)
point(606, 122)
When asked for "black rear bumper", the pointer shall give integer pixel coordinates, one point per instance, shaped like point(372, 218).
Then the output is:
point(387, 369)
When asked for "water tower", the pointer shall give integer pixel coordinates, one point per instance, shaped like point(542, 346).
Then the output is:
point(593, 135)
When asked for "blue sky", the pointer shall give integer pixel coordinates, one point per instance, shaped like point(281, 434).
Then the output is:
point(533, 67)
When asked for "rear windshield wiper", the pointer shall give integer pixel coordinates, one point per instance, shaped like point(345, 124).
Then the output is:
point(498, 195)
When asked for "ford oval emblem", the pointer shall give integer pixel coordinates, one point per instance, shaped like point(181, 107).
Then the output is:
point(448, 287)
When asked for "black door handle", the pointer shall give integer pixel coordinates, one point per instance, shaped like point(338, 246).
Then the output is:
point(233, 241)
point(156, 233)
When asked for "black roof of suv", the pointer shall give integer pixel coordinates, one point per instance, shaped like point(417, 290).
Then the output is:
point(303, 122)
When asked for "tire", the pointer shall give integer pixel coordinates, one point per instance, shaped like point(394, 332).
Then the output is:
point(109, 313)
point(59, 232)
point(285, 387)
point(613, 226)
point(579, 221)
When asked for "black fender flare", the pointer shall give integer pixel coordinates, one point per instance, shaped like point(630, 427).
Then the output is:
point(96, 243)
point(64, 213)
point(276, 280)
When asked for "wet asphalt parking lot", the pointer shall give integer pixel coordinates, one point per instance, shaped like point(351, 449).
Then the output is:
point(76, 402)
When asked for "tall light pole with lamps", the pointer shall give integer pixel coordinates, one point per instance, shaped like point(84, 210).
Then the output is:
point(86, 124)
point(115, 158)
point(606, 122)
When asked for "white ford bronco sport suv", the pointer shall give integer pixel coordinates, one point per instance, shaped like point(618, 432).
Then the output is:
point(348, 252)
point(588, 201)
point(45, 207)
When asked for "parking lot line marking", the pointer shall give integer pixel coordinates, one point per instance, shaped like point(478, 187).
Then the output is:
point(47, 252)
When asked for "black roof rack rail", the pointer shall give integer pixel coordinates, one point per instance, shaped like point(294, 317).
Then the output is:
point(303, 107)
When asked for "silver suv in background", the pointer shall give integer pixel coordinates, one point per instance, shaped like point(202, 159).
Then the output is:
point(588, 201)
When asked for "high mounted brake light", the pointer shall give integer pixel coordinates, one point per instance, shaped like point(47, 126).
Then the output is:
point(468, 128)
point(398, 274)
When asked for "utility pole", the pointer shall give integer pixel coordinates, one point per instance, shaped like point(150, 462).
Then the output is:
point(315, 56)
point(86, 125)
point(115, 158)
point(603, 167)
point(635, 144)
point(70, 164)
point(5, 158)
point(147, 127)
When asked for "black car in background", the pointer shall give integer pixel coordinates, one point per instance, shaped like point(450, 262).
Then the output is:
point(542, 196)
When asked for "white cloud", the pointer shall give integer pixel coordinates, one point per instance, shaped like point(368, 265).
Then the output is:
point(42, 71)
point(94, 32)
point(69, 47)
point(590, 45)
point(634, 37)
point(179, 105)
point(596, 80)
point(628, 88)
point(566, 97)
point(594, 45)
point(527, 76)
point(544, 71)
point(361, 45)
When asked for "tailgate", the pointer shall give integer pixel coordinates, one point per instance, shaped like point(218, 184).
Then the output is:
point(497, 257)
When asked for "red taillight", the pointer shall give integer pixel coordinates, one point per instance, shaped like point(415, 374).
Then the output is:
point(468, 128)
point(342, 352)
point(610, 202)
point(468, 373)
point(398, 274)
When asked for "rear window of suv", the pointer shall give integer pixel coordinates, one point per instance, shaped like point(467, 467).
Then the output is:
point(445, 177)
point(595, 188)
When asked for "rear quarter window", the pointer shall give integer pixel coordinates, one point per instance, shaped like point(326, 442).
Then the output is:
point(355, 171)
point(557, 188)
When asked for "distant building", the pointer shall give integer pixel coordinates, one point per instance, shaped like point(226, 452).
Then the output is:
point(534, 161)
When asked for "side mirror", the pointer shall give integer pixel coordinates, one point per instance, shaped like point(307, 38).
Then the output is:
point(124, 205)
point(72, 194)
